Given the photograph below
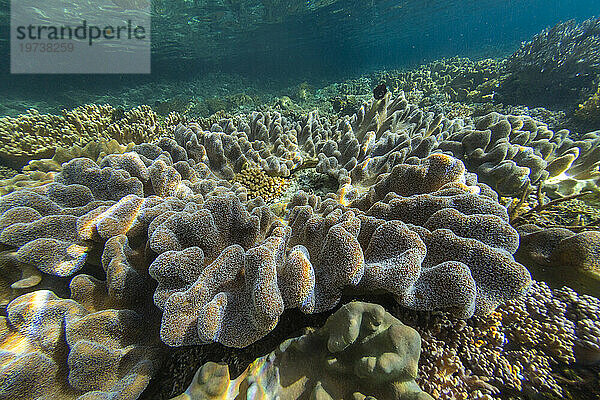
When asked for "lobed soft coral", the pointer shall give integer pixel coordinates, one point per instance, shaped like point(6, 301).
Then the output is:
point(226, 273)
point(407, 219)
point(361, 352)
point(51, 347)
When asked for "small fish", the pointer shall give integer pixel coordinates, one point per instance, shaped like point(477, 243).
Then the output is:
point(379, 91)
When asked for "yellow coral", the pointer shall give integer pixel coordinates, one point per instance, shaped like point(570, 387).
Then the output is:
point(33, 135)
point(258, 183)
point(25, 180)
point(589, 111)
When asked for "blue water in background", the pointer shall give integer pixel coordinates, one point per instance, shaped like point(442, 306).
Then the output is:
point(346, 38)
point(404, 33)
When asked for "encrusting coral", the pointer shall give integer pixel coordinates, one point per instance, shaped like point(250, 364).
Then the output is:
point(361, 352)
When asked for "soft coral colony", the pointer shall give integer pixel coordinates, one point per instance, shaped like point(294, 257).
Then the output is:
point(179, 237)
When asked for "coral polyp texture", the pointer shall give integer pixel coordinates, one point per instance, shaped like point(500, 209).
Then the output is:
point(207, 237)
point(39, 172)
point(528, 347)
point(55, 348)
point(405, 220)
point(34, 135)
point(257, 183)
point(508, 152)
point(226, 272)
point(361, 352)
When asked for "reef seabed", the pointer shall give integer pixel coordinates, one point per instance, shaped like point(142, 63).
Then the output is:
point(152, 234)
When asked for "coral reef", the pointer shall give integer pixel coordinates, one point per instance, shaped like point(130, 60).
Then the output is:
point(25, 180)
point(574, 214)
point(560, 255)
point(525, 348)
point(560, 66)
point(33, 135)
point(511, 152)
point(508, 152)
point(588, 112)
point(199, 234)
point(234, 102)
point(7, 173)
point(361, 352)
point(536, 346)
point(457, 78)
point(257, 183)
point(55, 348)
point(307, 264)
point(346, 105)
point(42, 171)
point(101, 341)
point(95, 150)
point(415, 225)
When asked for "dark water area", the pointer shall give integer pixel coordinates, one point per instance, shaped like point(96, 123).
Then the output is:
point(354, 36)
point(342, 39)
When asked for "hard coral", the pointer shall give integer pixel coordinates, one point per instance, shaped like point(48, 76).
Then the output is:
point(559, 66)
point(33, 135)
point(522, 348)
point(257, 183)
